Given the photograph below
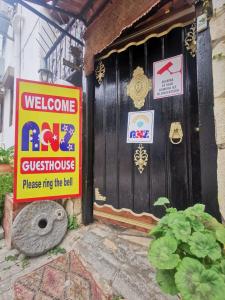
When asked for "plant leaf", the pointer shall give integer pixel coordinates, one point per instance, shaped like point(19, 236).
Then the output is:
point(196, 283)
point(161, 253)
point(195, 210)
point(164, 220)
point(220, 234)
point(212, 224)
point(185, 248)
point(197, 225)
point(171, 210)
point(156, 231)
point(219, 267)
point(196, 213)
point(166, 281)
point(180, 227)
point(204, 244)
point(217, 228)
point(222, 266)
point(161, 201)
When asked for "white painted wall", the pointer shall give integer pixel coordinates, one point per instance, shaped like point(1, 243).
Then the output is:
point(24, 55)
point(30, 50)
point(7, 135)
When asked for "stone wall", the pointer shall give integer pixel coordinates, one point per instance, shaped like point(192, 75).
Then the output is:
point(73, 208)
point(11, 209)
point(217, 29)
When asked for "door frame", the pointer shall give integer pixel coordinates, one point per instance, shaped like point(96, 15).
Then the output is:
point(208, 148)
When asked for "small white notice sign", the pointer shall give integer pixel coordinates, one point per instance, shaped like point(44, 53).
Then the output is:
point(202, 22)
point(140, 127)
point(168, 77)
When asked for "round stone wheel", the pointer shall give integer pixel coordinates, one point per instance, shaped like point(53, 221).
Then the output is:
point(39, 227)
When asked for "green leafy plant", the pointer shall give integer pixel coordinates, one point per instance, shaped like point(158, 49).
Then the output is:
point(188, 253)
point(25, 262)
point(72, 223)
point(6, 155)
point(7, 268)
point(11, 258)
point(57, 250)
point(6, 186)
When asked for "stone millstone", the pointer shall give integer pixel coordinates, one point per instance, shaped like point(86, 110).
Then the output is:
point(39, 227)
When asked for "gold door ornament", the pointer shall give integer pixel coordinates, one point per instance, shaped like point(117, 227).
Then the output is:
point(100, 72)
point(140, 158)
point(176, 133)
point(99, 196)
point(190, 40)
point(139, 87)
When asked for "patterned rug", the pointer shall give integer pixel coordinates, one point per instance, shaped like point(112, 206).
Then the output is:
point(65, 278)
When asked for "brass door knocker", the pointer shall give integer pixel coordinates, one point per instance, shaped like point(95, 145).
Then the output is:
point(176, 133)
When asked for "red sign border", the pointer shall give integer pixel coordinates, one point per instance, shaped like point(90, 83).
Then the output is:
point(49, 111)
point(182, 68)
point(22, 200)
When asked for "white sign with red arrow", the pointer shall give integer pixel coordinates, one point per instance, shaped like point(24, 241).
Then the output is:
point(168, 77)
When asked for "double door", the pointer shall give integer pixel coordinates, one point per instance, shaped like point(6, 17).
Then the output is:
point(172, 170)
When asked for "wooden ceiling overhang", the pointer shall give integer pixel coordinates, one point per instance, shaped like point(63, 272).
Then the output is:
point(105, 20)
point(84, 10)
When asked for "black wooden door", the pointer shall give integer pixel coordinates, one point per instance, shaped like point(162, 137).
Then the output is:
point(172, 170)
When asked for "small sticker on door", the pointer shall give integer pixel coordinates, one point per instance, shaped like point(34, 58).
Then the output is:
point(140, 127)
point(168, 77)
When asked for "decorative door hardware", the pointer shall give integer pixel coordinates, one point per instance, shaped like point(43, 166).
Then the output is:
point(206, 7)
point(99, 196)
point(140, 158)
point(190, 40)
point(139, 87)
point(176, 133)
point(100, 72)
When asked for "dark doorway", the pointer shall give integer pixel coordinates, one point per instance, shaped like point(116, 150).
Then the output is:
point(172, 170)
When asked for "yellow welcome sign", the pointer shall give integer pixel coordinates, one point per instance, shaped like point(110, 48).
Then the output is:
point(48, 144)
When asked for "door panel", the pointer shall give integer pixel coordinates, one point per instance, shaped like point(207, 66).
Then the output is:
point(125, 151)
point(172, 170)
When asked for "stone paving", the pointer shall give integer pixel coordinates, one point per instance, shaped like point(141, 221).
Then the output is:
point(116, 257)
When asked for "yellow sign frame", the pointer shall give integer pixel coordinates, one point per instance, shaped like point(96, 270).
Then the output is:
point(48, 141)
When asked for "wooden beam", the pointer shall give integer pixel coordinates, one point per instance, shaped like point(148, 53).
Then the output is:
point(98, 11)
point(88, 151)
point(87, 7)
point(54, 7)
point(208, 148)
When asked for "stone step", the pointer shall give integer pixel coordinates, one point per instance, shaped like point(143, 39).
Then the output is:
point(2, 244)
point(8, 295)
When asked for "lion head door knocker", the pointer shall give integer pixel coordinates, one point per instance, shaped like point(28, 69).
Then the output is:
point(139, 87)
point(176, 133)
